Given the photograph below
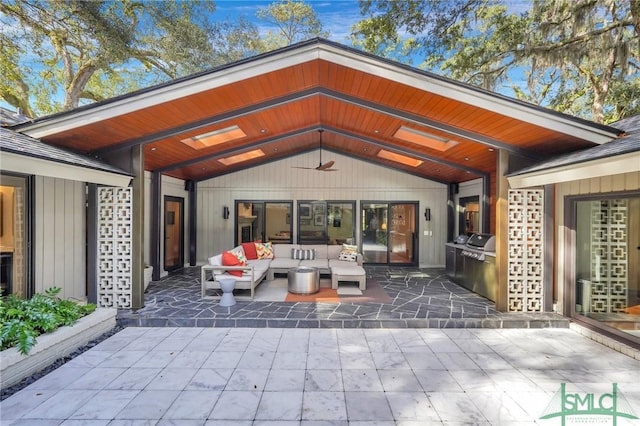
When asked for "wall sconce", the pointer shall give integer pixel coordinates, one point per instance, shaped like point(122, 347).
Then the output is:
point(427, 214)
point(225, 212)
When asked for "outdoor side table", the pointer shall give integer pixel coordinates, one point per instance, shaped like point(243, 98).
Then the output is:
point(304, 280)
point(227, 285)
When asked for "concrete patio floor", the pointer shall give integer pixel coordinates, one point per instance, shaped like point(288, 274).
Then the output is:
point(319, 377)
point(435, 354)
point(418, 298)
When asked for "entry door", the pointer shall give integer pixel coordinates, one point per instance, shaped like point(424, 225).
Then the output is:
point(173, 233)
point(388, 232)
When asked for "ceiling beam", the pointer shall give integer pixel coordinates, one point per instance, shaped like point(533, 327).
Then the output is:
point(208, 121)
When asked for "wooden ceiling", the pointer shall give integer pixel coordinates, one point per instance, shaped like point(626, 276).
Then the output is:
point(281, 100)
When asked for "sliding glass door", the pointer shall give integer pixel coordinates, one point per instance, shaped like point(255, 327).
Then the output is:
point(388, 232)
point(606, 289)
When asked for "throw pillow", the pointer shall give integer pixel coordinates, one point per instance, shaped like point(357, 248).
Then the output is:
point(348, 256)
point(230, 259)
point(250, 250)
point(239, 253)
point(350, 248)
point(301, 254)
point(264, 250)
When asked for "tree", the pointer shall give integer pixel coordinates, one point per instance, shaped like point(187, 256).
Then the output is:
point(56, 55)
point(295, 21)
point(575, 54)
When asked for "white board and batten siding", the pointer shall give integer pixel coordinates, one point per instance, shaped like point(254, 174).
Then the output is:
point(60, 236)
point(355, 180)
point(598, 185)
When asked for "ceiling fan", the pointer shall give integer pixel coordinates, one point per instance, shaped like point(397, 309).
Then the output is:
point(326, 167)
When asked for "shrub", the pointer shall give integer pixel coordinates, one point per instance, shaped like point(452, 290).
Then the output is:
point(21, 321)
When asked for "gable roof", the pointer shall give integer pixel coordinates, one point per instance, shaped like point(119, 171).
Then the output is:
point(280, 100)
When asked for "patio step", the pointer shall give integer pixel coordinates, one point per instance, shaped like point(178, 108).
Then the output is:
point(515, 320)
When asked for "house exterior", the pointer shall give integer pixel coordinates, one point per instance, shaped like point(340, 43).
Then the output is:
point(232, 155)
point(44, 216)
point(596, 229)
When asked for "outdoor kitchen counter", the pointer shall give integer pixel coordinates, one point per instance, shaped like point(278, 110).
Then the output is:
point(473, 269)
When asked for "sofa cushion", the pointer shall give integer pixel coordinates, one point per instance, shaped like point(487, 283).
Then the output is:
point(239, 253)
point(284, 263)
point(216, 260)
point(348, 256)
point(333, 251)
point(250, 250)
point(350, 247)
point(351, 270)
point(230, 259)
point(264, 250)
point(303, 254)
point(321, 264)
point(283, 250)
point(320, 249)
point(333, 263)
point(260, 266)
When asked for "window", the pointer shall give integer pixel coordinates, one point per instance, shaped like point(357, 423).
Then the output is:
point(264, 221)
point(326, 222)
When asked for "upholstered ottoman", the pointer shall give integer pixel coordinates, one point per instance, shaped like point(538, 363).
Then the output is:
point(351, 272)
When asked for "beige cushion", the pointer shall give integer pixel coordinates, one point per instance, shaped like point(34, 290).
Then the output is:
point(333, 251)
point(283, 250)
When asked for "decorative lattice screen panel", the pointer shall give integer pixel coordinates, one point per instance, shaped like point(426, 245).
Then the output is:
point(526, 252)
point(114, 247)
point(609, 266)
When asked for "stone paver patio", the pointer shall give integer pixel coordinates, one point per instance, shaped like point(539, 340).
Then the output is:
point(419, 298)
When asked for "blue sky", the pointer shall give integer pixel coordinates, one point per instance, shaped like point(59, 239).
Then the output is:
point(337, 17)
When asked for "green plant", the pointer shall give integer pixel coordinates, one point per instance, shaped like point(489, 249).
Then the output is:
point(21, 321)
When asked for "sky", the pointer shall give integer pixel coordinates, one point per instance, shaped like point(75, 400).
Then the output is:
point(337, 17)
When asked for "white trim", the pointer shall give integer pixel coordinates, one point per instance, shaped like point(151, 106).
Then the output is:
point(627, 163)
point(333, 54)
point(36, 166)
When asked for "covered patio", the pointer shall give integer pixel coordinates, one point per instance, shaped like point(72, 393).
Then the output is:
point(417, 298)
point(217, 143)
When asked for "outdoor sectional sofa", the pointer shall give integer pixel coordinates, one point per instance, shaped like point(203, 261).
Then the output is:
point(329, 259)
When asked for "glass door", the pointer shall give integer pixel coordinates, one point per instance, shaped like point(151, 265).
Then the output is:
point(606, 290)
point(388, 232)
point(402, 233)
point(13, 236)
point(173, 233)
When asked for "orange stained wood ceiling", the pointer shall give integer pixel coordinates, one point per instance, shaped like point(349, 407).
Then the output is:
point(280, 110)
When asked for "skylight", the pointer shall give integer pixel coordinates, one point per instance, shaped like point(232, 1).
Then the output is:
point(424, 139)
point(215, 137)
point(245, 156)
point(398, 158)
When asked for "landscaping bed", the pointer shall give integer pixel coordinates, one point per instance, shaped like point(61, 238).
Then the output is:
point(14, 366)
